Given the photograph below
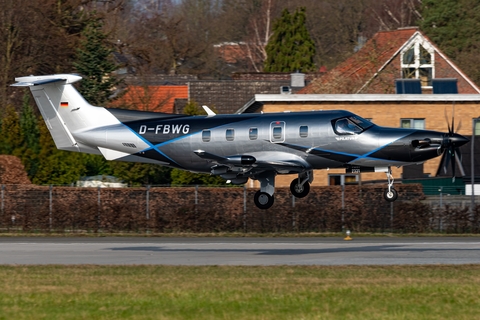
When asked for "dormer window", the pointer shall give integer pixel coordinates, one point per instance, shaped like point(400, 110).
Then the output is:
point(418, 62)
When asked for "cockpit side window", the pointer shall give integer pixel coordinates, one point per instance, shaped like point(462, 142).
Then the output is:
point(346, 126)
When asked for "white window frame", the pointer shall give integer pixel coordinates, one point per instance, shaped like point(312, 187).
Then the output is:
point(416, 44)
point(413, 122)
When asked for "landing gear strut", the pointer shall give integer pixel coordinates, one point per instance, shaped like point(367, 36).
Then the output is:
point(264, 198)
point(300, 187)
point(390, 193)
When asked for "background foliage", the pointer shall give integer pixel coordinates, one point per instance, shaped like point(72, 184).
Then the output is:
point(179, 37)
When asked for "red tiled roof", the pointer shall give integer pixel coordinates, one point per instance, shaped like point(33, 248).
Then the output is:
point(362, 65)
point(151, 98)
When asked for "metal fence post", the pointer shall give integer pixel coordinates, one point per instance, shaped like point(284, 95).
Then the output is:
point(244, 208)
point(99, 206)
point(391, 216)
point(50, 207)
point(293, 213)
point(2, 206)
point(148, 203)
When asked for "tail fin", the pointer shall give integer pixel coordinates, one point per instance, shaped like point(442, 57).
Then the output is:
point(64, 110)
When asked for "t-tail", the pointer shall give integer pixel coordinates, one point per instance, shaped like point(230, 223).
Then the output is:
point(74, 124)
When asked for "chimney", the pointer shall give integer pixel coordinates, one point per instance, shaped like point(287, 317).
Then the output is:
point(297, 80)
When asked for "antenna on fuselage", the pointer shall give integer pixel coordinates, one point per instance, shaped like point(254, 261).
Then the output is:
point(209, 111)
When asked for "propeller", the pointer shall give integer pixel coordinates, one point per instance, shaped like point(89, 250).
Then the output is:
point(451, 146)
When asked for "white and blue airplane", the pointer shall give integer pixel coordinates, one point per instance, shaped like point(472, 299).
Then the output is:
point(235, 146)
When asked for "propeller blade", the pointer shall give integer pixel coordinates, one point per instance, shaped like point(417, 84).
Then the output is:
point(448, 122)
point(453, 117)
point(458, 160)
point(447, 160)
point(459, 126)
point(452, 155)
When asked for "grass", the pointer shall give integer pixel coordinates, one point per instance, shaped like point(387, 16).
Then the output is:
point(224, 292)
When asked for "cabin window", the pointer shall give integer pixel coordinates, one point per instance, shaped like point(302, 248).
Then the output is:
point(303, 131)
point(206, 134)
point(253, 133)
point(277, 133)
point(346, 126)
point(412, 123)
point(230, 134)
point(417, 62)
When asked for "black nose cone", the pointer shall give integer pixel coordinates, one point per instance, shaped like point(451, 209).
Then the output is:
point(458, 140)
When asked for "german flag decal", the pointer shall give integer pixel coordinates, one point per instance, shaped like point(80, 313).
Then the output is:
point(64, 104)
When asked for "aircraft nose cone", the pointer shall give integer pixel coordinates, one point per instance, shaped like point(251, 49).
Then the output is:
point(458, 140)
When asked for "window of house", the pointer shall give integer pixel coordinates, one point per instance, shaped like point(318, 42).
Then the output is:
point(253, 133)
point(303, 131)
point(206, 134)
point(417, 62)
point(477, 127)
point(230, 134)
point(336, 179)
point(412, 123)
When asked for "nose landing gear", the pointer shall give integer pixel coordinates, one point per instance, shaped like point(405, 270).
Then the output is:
point(390, 194)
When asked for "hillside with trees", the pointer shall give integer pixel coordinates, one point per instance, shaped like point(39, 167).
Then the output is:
point(95, 38)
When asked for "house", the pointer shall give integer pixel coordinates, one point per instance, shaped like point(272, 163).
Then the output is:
point(398, 79)
point(158, 93)
point(403, 54)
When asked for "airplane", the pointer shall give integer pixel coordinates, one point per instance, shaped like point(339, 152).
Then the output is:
point(236, 147)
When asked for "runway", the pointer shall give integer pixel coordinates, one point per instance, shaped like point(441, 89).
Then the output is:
point(238, 251)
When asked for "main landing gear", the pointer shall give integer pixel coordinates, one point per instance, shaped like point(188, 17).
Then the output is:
point(390, 194)
point(264, 198)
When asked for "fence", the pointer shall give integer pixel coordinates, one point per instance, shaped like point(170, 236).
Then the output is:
point(202, 209)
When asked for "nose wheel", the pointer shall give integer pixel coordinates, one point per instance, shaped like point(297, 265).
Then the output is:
point(263, 200)
point(390, 194)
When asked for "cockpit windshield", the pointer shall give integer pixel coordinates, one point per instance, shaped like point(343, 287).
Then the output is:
point(351, 125)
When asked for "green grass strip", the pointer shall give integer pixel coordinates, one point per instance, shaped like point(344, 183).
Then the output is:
point(218, 292)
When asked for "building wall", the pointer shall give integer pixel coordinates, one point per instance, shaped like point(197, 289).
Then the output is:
point(387, 114)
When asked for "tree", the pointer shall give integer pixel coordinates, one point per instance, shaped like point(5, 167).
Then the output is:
point(57, 166)
point(11, 138)
point(290, 48)
point(94, 62)
point(453, 26)
point(31, 137)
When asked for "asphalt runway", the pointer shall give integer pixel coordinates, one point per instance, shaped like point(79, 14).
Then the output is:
point(239, 251)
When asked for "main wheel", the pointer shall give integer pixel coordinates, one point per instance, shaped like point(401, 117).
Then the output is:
point(299, 191)
point(391, 195)
point(263, 200)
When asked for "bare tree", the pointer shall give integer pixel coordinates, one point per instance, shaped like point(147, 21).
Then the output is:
point(258, 34)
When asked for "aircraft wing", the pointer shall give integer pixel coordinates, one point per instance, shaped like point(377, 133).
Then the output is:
point(256, 163)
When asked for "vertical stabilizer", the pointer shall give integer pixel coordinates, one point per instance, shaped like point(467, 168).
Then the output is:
point(64, 110)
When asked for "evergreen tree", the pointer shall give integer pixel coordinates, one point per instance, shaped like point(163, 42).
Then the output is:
point(56, 166)
point(94, 62)
point(290, 48)
point(453, 25)
point(11, 138)
point(31, 137)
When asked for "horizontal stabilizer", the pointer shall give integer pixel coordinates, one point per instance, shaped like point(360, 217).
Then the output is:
point(42, 80)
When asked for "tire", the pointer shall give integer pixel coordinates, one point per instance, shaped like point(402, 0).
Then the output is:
point(263, 200)
point(390, 196)
point(299, 191)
